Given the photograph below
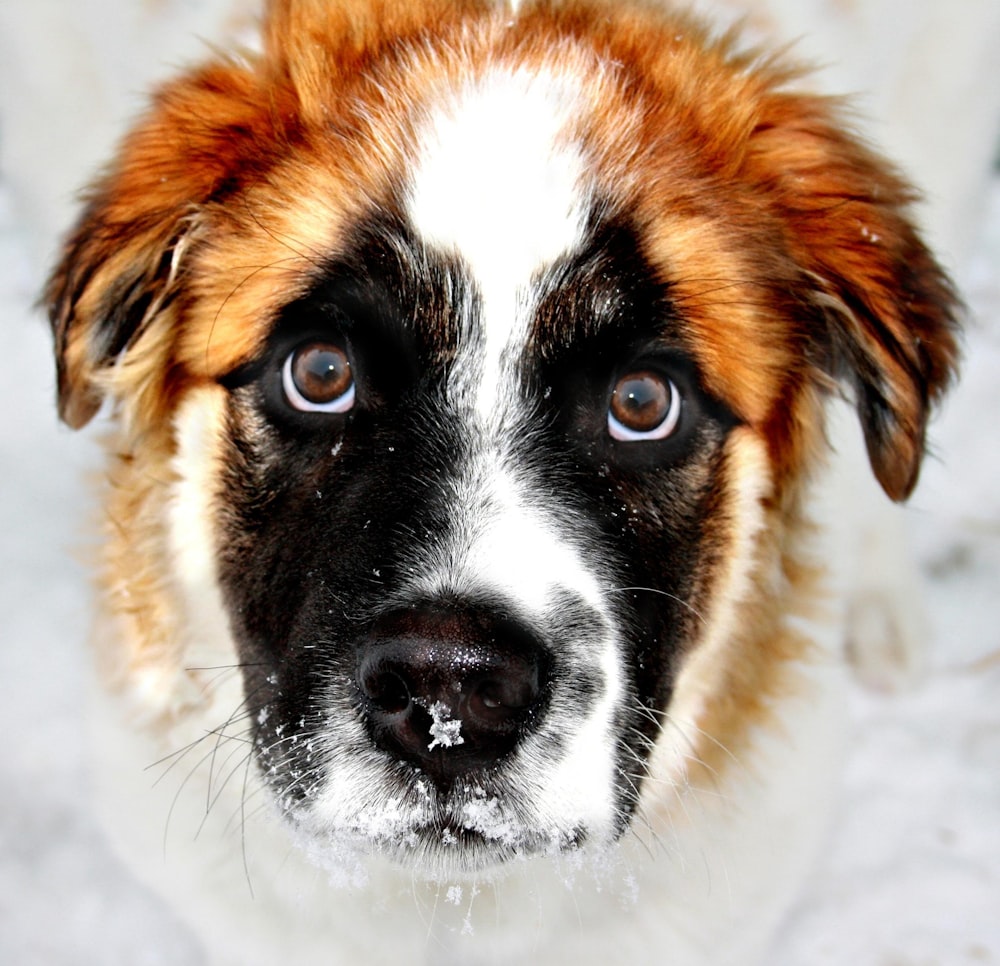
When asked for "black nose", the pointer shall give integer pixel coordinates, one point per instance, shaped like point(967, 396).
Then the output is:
point(451, 690)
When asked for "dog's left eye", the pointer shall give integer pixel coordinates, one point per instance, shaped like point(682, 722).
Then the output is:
point(317, 377)
point(644, 405)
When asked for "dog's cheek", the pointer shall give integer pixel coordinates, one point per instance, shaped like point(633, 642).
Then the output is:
point(738, 656)
point(311, 546)
point(194, 522)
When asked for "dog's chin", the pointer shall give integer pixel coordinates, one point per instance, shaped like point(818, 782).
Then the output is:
point(474, 837)
point(429, 853)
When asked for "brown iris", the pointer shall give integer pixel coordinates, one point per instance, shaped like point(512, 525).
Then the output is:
point(318, 376)
point(644, 405)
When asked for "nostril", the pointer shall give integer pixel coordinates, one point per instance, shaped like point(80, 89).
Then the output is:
point(506, 694)
point(489, 697)
point(384, 687)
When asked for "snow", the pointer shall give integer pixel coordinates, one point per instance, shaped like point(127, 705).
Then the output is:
point(911, 877)
point(445, 731)
point(64, 898)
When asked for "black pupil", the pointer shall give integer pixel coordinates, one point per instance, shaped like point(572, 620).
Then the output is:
point(322, 373)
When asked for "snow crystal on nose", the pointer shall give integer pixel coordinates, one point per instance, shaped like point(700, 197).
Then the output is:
point(445, 731)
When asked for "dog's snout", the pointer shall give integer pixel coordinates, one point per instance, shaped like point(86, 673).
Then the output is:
point(452, 691)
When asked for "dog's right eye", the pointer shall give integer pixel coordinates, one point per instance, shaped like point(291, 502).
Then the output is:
point(317, 377)
point(644, 406)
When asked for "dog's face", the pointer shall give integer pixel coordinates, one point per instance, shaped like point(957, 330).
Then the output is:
point(479, 361)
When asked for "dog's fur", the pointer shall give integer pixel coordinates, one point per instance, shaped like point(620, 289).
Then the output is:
point(500, 216)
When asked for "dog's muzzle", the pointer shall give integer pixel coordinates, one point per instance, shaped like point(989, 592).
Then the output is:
point(451, 690)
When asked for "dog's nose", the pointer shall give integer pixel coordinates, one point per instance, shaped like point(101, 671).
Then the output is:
point(451, 690)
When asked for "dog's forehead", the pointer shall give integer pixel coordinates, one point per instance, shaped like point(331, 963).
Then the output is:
point(499, 182)
point(498, 175)
point(478, 172)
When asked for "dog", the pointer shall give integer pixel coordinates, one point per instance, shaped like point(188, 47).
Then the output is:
point(468, 368)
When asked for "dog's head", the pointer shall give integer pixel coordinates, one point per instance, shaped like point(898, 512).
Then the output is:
point(475, 361)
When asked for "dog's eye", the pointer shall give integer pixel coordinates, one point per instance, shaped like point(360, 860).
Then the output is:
point(644, 405)
point(317, 377)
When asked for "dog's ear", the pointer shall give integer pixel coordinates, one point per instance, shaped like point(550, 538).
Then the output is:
point(889, 311)
point(121, 263)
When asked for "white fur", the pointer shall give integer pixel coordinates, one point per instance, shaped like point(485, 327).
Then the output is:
point(508, 546)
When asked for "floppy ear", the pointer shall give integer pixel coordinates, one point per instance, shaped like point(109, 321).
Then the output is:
point(122, 262)
point(889, 311)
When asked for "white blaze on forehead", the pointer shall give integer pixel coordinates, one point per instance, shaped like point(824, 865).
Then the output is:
point(499, 182)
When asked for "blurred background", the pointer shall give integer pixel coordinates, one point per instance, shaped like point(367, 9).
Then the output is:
point(912, 877)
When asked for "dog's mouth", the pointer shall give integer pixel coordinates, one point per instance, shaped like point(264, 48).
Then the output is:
point(471, 829)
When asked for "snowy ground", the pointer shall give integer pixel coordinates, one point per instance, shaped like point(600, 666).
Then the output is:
point(912, 877)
